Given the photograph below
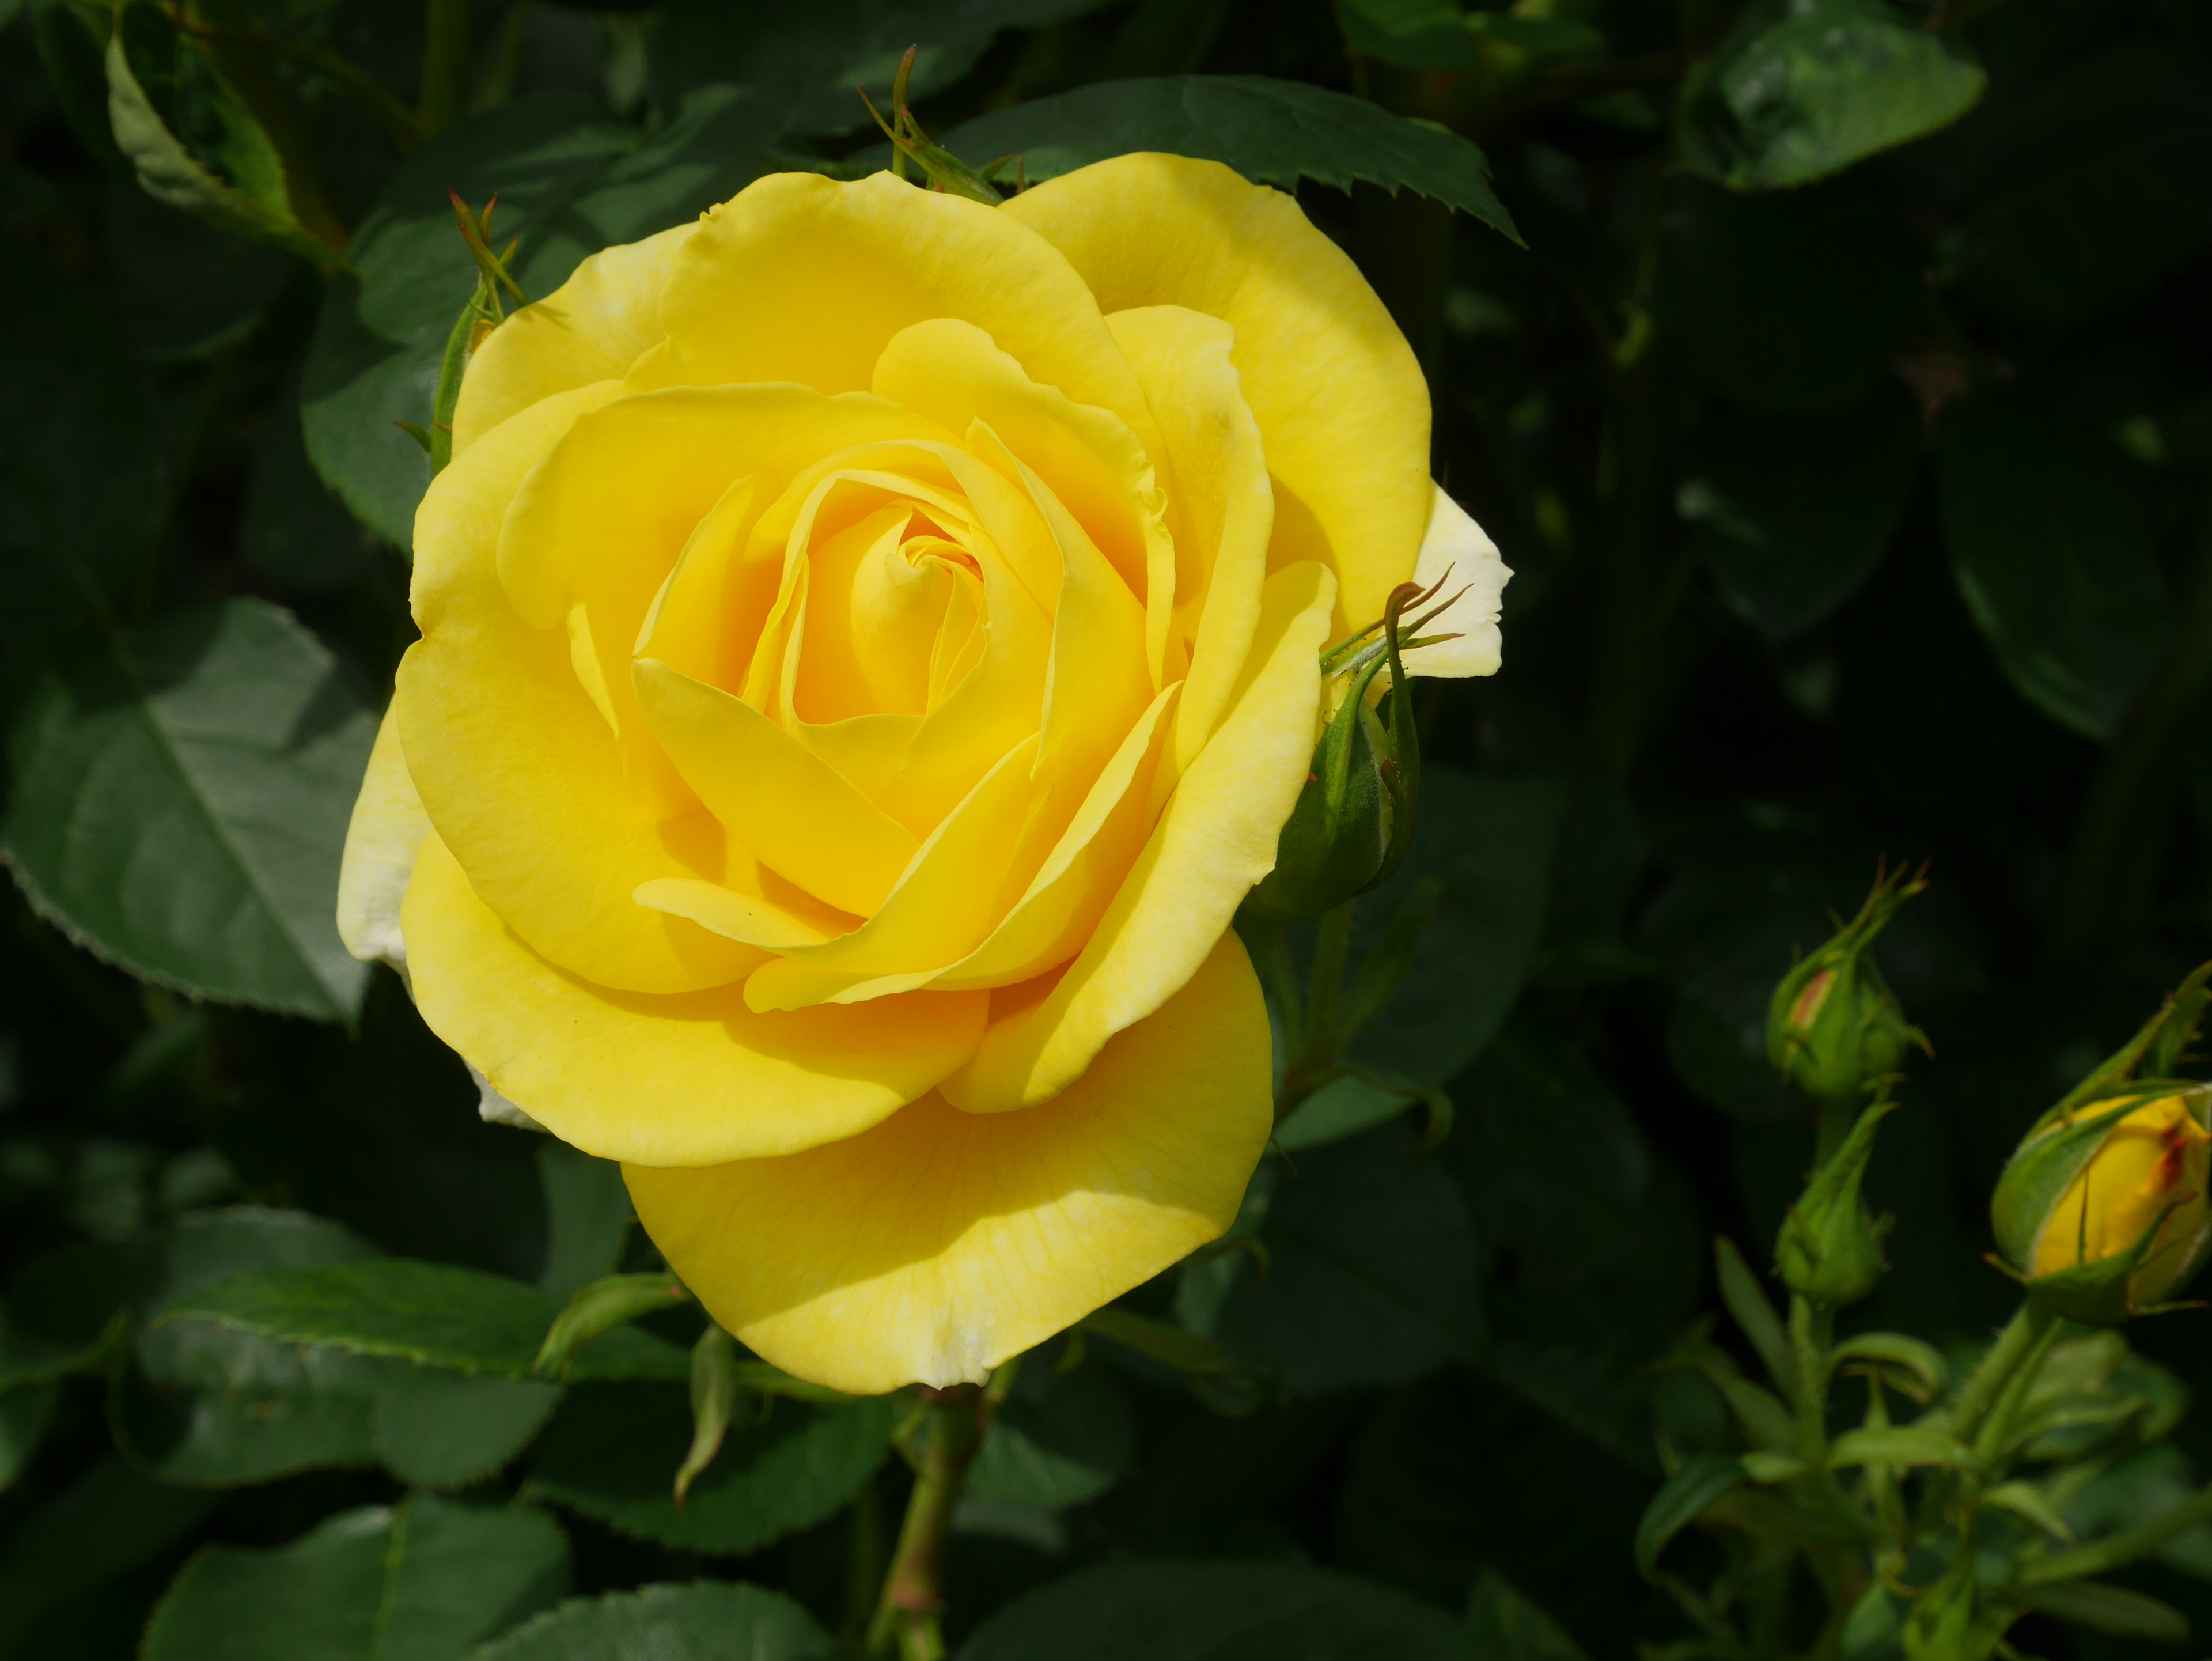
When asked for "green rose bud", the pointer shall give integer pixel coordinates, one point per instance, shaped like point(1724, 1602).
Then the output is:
point(1833, 1027)
point(1829, 1246)
point(1354, 820)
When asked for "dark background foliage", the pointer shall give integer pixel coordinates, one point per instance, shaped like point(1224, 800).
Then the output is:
point(1846, 418)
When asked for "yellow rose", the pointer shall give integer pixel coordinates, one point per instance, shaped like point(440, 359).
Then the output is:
point(869, 649)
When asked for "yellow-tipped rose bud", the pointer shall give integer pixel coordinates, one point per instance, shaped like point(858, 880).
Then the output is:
point(1834, 1027)
point(2103, 1210)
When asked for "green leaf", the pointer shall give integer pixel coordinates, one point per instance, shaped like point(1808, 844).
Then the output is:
point(613, 1450)
point(80, 466)
point(2054, 558)
point(1755, 1315)
point(1372, 1274)
point(1803, 89)
point(1791, 517)
point(111, 1521)
point(179, 801)
point(1060, 1440)
point(444, 1430)
point(600, 1307)
point(1899, 1445)
point(230, 175)
point(2101, 1607)
point(1792, 302)
point(1893, 1354)
point(1507, 1627)
point(587, 1217)
point(1414, 35)
point(1491, 840)
point(1344, 1107)
point(1273, 133)
point(72, 46)
point(2086, 188)
point(2027, 1500)
point(1701, 1481)
point(706, 1621)
point(26, 1412)
point(1137, 1611)
point(430, 1314)
point(427, 1579)
point(294, 529)
point(185, 290)
point(813, 56)
point(570, 180)
point(2140, 1488)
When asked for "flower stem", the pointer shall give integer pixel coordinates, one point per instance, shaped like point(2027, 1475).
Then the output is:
point(2022, 1336)
point(906, 1623)
point(1314, 1040)
point(1808, 1342)
point(445, 64)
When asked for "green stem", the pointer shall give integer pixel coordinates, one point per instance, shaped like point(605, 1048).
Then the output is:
point(1808, 1343)
point(1834, 1124)
point(445, 64)
point(1315, 1037)
point(906, 1619)
point(2119, 845)
point(2023, 1335)
point(2126, 1547)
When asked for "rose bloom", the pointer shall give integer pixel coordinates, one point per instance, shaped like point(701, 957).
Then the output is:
point(2150, 1171)
point(869, 650)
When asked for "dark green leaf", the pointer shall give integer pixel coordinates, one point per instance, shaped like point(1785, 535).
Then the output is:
point(1791, 517)
point(1492, 840)
point(1059, 1440)
point(427, 1579)
point(2139, 1490)
point(1803, 89)
point(1507, 1627)
point(1273, 133)
point(2089, 187)
point(1899, 1445)
point(1791, 302)
point(179, 801)
point(2054, 558)
point(294, 529)
point(25, 1414)
point(430, 1314)
point(587, 1217)
point(570, 180)
point(2114, 1609)
point(81, 469)
point(1216, 1612)
point(442, 1430)
point(1417, 35)
point(1701, 1481)
point(109, 1521)
point(706, 1621)
point(224, 168)
point(613, 1450)
point(188, 290)
point(72, 46)
point(1373, 1271)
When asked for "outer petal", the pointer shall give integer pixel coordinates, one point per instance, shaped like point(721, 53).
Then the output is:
point(1215, 840)
point(521, 776)
point(1337, 391)
point(829, 272)
point(593, 327)
point(692, 1078)
point(388, 826)
point(938, 1245)
point(1457, 553)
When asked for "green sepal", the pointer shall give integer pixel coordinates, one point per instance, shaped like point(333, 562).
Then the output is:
point(1829, 1249)
point(609, 1302)
point(713, 1402)
point(2096, 1294)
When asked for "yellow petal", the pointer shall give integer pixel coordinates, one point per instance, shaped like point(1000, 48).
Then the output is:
point(944, 904)
point(1093, 464)
point(790, 808)
point(693, 1079)
point(1338, 393)
point(1215, 840)
point(1457, 553)
point(710, 609)
point(387, 827)
point(938, 1245)
point(802, 279)
point(516, 766)
point(1224, 506)
point(593, 327)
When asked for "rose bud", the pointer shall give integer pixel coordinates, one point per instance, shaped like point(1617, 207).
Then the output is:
point(2102, 1210)
point(1829, 1246)
point(1833, 1026)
